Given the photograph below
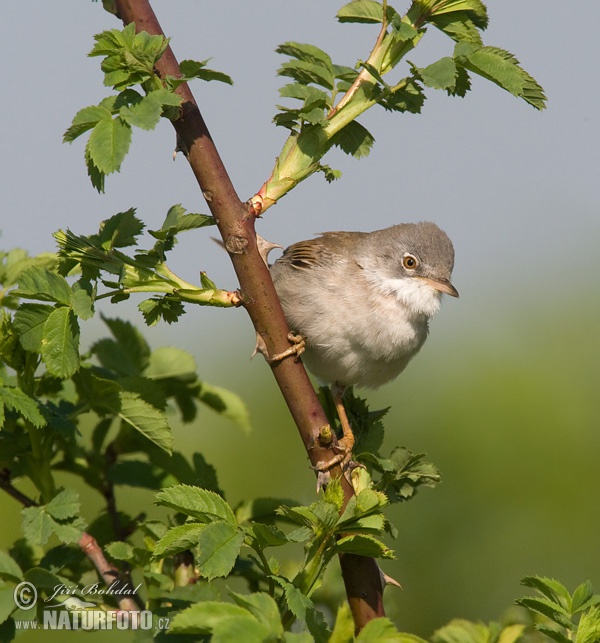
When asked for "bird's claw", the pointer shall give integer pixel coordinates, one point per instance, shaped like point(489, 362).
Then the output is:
point(296, 349)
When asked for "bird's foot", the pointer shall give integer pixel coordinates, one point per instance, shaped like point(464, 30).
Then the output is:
point(296, 349)
point(343, 457)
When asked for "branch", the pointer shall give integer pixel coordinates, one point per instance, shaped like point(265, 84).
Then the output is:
point(88, 545)
point(109, 573)
point(236, 222)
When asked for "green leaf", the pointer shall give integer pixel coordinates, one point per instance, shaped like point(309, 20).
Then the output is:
point(201, 504)
point(503, 69)
point(120, 231)
point(548, 608)
point(440, 74)
point(120, 550)
point(20, 402)
point(582, 594)
point(474, 9)
point(307, 53)
point(9, 569)
point(366, 11)
point(60, 343)
point(202, 618)
point(157, 308)
point(108, 144)
point(29, 323)
point(264, 608)
point(224, 402)
point(134, 348)
point(550, 588)
point(363, 545)
point(462, 631)
point(147, 112)
point(177, 220)
point(307, 72)
point(42, 284)
point(178, 539)
point(64, 505)
point(147, 419)
point(84, 120)
point(58, 517)
point(97, 177)
point(191, 69)
point(382, 630)
point(298, 603)
point(408, 98)
point(354, 139)
point(458, 26)
point(588, 630)
point(169, 361)
point(83, 304)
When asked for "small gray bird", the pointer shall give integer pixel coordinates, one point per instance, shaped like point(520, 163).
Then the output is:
point(362, 301)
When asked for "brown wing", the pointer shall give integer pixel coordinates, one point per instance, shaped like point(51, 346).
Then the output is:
point(323, 251)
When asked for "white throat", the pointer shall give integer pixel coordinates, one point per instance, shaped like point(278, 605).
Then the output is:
point(417, 295)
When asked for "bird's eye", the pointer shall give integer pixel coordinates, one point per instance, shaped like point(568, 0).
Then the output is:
point(409, 262)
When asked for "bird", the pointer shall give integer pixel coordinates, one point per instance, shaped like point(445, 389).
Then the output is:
point(358, 305)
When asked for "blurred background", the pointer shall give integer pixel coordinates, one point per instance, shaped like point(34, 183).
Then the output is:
point(504, 398)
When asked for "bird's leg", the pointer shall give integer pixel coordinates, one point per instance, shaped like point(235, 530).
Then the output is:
point(298, 346)
point(345, 444)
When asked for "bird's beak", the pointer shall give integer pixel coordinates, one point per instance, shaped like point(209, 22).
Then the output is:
point(443, 285)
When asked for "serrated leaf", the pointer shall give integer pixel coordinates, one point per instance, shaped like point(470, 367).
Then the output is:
point(225, 402)
point(120, 550)
point(440, 74)
point(263, 607)
point(82, 303)
point(307, 53)
point(550, 588)
point(84, 120)
point(458, 26)
point(474, 9)
point(363, 545)
point(548, 608)
point(552, 633)
point(191, 69)
point(29, 323)
point(147, 419)
point(365, 11)
point(201, 504)
point(307, 72)
point(132, 344)
point(178, 539)
point(169, 361)
point(108, 144)
point(307, 93)
point(21, 403)
point(9, 569)
point(462, 631)
point(120, 231)
point(382, 630)
point(503, 69)
point(588, 629)
point(409, 98)
point(39, 523)
point(298, 603)
point(262, 536)
point(354, 139)
point(202, 618)
point(97, 177)
point(64, 505)
point(42, 284)
point(219, 544)
point(582, 594)
point(147, 112)
point(60, 343)
point(165, 308)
